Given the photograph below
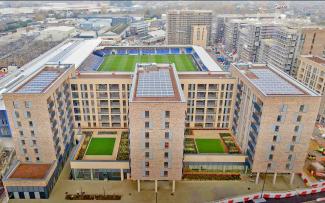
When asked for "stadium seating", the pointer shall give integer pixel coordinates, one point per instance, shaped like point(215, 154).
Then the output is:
point(162, 51)
point(133, 51)
point(99, 53)
point(121, 51)
point(92, 62)
point(148, 51)
point(174, 50)
point(189, 50)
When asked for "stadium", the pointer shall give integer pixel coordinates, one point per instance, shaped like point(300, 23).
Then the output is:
point(185, 58)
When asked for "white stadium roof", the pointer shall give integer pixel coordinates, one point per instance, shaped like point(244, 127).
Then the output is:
point(206, 59)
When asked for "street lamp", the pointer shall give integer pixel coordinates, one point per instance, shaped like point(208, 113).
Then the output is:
point(264, 181)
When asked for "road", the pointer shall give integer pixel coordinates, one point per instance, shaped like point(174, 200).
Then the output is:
point(298, 199)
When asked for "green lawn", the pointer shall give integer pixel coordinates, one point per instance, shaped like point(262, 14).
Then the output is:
point(209, 146)
point(101, 146)
point(183, 62)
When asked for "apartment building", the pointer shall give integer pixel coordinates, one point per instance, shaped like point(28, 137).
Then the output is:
point(280, 49)
point(152, 120)
point(231, 34)
point(156, 142)
point(42, 126)
point(311, 72)
point(250, 37)
point(273, 120)
point(180, 26)
point(222, 20)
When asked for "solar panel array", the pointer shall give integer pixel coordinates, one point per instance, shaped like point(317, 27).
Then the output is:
point(155, 84)
point(271, 83)
point(39, 82)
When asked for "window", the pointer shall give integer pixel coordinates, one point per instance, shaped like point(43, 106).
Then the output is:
point(276, 128)
point(272, 148)
point(288, 166)
point(147, 144)
point(166, 164)
point(146, 135)
point(32, 133)
point(270, 157)
point(279, 118)
point(147, 164)
point(36, 151)
point(30, 123)
point(34, 142)
point(290, 157)
point(23, 142)
point(15, 104)
point(146, 114)
point(166, 135)
point(19, 123)
point(27, 158)
point(296, 129)
point(146, 125)
point(28, 114)
point(21, 133)
point(166, 145)
point(294, 138)
point(166, 155)
point(292, 147)
point(301, 108)
point(147, 154)
point(166, 124)
point(167, 114)
point(299, 118)
point(275, 138)
point(37, 159)
point(16, 114)
point(269, 165)
point(25, 151)
point(147, 173)
point(165, 173)
point(28, 104)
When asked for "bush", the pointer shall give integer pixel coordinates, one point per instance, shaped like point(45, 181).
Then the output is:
point(211, 176)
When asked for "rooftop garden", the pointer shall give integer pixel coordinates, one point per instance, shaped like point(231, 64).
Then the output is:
point(123, 150)
point(209, 146)
point(101, 146)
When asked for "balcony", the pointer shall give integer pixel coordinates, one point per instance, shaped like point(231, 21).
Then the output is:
point(252, 136)
point(257, 107)
point(255, 128)
point(256, 119)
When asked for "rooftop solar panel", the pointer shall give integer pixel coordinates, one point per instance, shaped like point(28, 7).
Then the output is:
point(155, 84)
point(271, 83)
point(39, 82)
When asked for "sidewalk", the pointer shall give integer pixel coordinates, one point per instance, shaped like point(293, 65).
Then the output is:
point(186, 191)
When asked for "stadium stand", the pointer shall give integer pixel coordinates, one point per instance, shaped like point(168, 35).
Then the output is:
point(174, 50)
point(121, 51)
point(92, 62)
point(133, 51)
point(162, 51)
point(189, 50)
point(148, 51)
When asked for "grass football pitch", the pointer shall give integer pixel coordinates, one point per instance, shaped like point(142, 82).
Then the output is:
point(183, 62)
point(101, 146)
point(209, 146)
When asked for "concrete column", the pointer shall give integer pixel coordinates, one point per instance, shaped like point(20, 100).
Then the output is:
point(274, 178)
point(292, 178)
point(122, 175)
point(139, 186)
point(246, 168)
point(91, 174)
point(173, 187)
point(257, 177)
point(156, 185)
point(223, 168)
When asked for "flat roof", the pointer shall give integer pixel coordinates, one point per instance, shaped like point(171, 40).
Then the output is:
point(155, 82)
point(31, 171)
point(272, 82)
point(42, 80)
point(315, 59)
point(206, 59)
